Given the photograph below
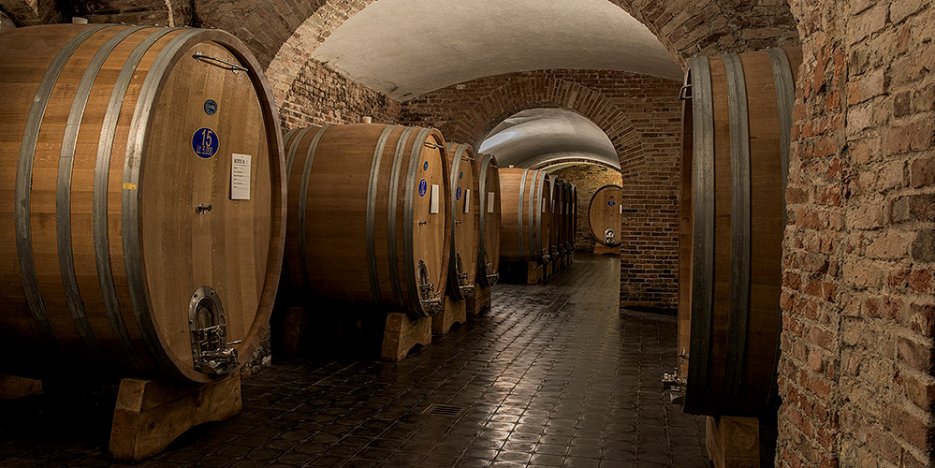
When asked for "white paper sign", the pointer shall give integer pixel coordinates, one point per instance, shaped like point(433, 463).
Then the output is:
point(621, 209)
point(490, 202)
point(434, 199)
point(467, 201)
point(240, 176)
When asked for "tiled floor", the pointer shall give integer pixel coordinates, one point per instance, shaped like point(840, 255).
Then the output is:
point(553, 375)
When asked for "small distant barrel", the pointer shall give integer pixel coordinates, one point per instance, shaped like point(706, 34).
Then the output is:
point(143, 202)
point(489, 223)
point(462, 185)
point(737, 120)
point(527, 217)
point(368, 217)
point(604, 214)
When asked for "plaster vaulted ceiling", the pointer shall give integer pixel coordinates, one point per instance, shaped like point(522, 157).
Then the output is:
point(406, 48)
point(536, 137)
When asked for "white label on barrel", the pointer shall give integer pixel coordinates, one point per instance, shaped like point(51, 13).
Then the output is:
point(434, 199)
point(467, 201)
point(490, 202)
point(543, 205)
point(240, 176)
point(621, 209)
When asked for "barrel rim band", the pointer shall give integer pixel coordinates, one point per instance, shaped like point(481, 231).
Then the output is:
point(737, 325)
point(303, 202)
point(519, 214)
point(23, 187)
point(392, 255)
point(702, 231)
point(454, 287)
point(66, 163)
point(131, 199)
point(100, 196)
point(371, 211)
point(294, 148)
point(784, 82)
point(413, 299)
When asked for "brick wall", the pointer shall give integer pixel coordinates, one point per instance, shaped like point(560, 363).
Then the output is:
point(587, 178)
point(322, 96)
point(859, 316)
point(642, 117)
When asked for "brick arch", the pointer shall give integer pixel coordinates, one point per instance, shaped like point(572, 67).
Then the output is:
point(543, 92)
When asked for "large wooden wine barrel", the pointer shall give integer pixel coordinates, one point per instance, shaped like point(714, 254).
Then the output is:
point(462, 186)
point(604, 214)
point(368, 217)
point(488, 249)
point(143, 201)
point(736, 134)
point(525, 232)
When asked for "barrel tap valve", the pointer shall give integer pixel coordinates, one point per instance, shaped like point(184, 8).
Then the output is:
point(674, 385)
point(431, 303)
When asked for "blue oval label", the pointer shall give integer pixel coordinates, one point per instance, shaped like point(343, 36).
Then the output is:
point(425, 166)
point(458, 193)
point(211, 107)
point(611, 203)
point(205, 142)
point(423, 187)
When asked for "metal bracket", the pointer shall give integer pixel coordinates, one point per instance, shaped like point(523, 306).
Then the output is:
point(218, 62)
point(492, 275)
point(683, 93)
point(211, 352)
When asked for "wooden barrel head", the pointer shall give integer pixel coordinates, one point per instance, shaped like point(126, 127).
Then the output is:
point(605, 214)
point(146, 177)
point(463, 183)
point(490, 221)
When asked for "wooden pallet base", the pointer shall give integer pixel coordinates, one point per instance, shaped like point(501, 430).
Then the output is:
point(601, 249)
point(733, 442)
point(479, 302)
point(149, 415)
point(13, 387)
point(455, 311)
point(402, 334)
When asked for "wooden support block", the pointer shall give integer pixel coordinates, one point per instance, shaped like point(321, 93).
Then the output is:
point(402, 334)
point(534, 273)
point(149, 415)
point(455, 311)
point(601, 249)
point(13, 387)
point(295, 324)
point(479, 302)
point(733, 442)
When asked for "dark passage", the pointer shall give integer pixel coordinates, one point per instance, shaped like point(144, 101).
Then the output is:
point(553, 375)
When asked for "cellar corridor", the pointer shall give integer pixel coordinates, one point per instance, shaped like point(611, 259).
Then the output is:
point(553, 375)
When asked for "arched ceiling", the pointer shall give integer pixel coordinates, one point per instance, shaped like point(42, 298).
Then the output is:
point(537, 137)
point(405, 48)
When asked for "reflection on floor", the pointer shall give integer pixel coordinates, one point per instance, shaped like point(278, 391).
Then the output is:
point(554, 375)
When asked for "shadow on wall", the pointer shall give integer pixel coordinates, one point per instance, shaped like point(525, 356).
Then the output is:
point(588, 178)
